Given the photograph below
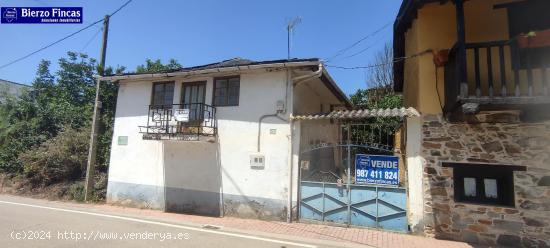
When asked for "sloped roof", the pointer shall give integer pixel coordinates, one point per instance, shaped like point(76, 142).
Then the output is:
point(359, 114)
point(238, 64)
point(228, 63)
point(12, 87)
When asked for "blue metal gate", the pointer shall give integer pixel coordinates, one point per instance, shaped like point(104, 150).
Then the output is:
point(328, 191)
point(370, 206)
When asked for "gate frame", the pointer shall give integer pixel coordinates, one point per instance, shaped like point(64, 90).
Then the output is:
point(349, 184)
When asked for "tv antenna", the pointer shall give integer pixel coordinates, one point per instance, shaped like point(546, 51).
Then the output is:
point(290, 30)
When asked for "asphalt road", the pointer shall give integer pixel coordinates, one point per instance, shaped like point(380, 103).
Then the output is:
point(30, 223)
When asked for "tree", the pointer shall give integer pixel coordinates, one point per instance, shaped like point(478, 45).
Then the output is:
point(60, 101)
point(158, 66)
point(379, 92)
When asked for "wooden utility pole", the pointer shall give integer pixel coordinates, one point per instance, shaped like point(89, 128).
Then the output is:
point(90, 167)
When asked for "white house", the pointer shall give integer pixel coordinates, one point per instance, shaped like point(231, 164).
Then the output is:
point(216, 139)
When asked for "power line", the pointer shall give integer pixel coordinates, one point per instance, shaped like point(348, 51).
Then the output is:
point(342, 51)
point(382, 64)
point(64, 38)
point(91, 39)
point(363, 50)
point(121, 7)
point(364, 67)
point(51, 44)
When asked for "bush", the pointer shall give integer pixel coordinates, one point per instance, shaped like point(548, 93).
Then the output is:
point(77, 191)
point(62, 158)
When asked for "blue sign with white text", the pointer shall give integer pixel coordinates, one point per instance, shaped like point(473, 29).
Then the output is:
point(43, 15)
point(377, 169)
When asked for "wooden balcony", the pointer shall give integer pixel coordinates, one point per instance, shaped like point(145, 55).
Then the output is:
point(495, 74)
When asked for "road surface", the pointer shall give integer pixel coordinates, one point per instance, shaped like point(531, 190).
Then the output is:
point(34, 223)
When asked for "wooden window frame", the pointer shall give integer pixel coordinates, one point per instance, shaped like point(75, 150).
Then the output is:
point(195, 83)
point(503, 174)
point(182, 98)
point(153, 93)
point(227, 88)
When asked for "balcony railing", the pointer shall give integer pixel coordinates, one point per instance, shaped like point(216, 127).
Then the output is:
point(180, 122)
point(497, 72)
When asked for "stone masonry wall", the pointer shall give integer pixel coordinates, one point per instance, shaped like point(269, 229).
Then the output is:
point(525, 144)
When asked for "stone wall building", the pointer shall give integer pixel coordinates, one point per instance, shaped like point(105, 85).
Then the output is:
point(478, 159)
point(524, 223)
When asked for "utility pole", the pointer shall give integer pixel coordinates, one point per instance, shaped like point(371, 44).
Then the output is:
point(290, 29)
point(92, 152)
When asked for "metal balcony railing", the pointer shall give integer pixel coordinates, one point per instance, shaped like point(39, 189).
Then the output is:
point(187, 121)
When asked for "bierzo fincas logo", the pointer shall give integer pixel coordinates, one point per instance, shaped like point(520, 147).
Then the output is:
point(9, 14)
point(41, 15)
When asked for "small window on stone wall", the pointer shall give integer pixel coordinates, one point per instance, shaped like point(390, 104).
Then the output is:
point(484, 184)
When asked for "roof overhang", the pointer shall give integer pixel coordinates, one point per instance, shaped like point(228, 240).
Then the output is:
point(210, 71)
point(333, 87)
point(325, 77)
point(407, 13)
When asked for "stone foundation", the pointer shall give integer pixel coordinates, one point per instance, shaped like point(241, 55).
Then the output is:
point(499, 142)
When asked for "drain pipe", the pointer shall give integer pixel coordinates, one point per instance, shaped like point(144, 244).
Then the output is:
point(296, 80)
point(307, 77)
point(276, 115)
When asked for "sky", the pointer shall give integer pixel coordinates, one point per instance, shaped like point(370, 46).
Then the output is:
point(196, 32)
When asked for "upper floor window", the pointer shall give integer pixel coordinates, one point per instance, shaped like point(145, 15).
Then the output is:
point(484, 184)
point(226, 91)
point(163, 94)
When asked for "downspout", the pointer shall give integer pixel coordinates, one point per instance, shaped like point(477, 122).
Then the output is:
point(295, 80)
point(307, 77)
point(276, 115)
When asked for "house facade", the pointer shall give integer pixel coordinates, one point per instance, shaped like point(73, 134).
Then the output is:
point(478, 158)
point(215, 139)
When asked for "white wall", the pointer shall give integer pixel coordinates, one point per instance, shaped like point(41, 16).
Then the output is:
point(154, 173)
point(192, 177)
point(250, 191)
point(137, 169)
point(415, 169)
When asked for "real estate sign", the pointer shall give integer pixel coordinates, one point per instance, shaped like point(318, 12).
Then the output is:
point(181, 115)
point(376, 169)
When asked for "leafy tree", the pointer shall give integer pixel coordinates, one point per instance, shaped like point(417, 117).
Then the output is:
point(63, 100)
point(60, 103)
point(379, 92)
point(158, 66)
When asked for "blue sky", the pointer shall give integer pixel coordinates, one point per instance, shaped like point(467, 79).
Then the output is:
point(204, 31)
